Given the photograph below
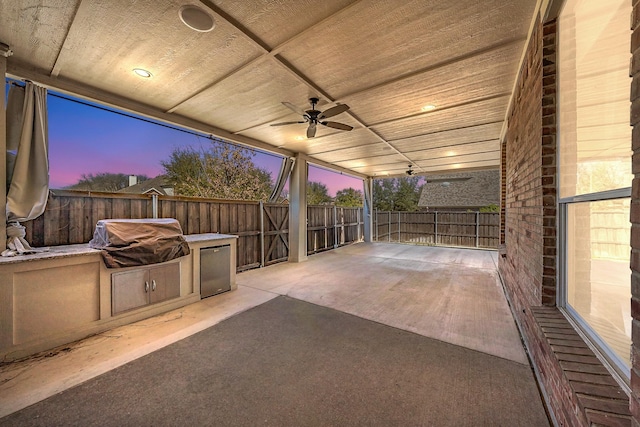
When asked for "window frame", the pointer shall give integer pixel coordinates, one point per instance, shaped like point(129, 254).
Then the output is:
point(610, 359)
point(616, 366)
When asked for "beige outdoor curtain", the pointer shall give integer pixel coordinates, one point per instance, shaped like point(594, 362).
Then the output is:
point(285, 171)
point(27, 161)
point(368, 209)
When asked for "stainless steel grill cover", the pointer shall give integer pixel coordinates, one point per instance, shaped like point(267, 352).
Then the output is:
point(133, 242)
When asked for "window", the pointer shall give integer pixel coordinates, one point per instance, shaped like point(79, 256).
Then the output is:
point(595, 173)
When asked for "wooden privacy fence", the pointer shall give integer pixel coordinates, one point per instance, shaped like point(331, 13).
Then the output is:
point(467, 229)
point(262, 228)
point(330, 226)
point(71, 217)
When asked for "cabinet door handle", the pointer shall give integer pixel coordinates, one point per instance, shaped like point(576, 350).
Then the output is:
point(146, 286)
point(153, 285)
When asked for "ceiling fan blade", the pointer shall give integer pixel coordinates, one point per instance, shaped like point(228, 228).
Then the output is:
point(294, 108)
point(311, 130)
point(337, 125)
point(286, 123)
point(334, 111)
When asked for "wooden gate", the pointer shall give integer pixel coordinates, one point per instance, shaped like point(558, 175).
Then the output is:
point(275, 233)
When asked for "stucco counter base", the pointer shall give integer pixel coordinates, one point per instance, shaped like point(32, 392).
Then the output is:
point(64, 294)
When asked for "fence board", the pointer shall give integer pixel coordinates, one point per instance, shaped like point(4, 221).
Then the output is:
point(193, 224)
point(76, 222)
point(467, 229)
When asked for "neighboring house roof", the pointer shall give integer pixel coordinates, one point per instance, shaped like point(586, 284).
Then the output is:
point(461, 190)
point(158, 185)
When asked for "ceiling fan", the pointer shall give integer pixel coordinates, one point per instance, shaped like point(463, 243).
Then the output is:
point(315, 117)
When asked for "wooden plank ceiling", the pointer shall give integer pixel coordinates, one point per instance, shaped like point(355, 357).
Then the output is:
point(386, 59)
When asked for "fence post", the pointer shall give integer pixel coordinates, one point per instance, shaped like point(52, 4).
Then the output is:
point(154, 205)
point(326, 228)
point(389, 235)
point(477, 228)
point(375, 223)
point(435, 241)
point(358, 221)
point(342, 233)
point(399, 237)
point(261, 233)
point(335, 227)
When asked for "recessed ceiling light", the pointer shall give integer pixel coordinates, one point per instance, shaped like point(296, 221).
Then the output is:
point(429, 107)
point(196, 18)
point(141, 72)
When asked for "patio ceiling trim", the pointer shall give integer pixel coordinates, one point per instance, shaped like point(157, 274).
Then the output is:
point(539, 14)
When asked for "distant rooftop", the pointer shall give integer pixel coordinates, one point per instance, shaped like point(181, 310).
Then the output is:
point(467, 190)
point(158, 185)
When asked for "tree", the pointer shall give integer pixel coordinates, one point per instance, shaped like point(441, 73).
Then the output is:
point(397, 194)
point(383, 194)
point(317, 194)
point(349, 197)
point(407, 194)
point(104, 181)
point(221, 171)
point(490, 208)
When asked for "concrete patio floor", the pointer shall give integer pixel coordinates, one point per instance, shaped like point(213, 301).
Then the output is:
point(453, 295)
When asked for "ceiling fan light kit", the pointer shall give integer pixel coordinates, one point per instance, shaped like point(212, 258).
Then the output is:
point(314, 117)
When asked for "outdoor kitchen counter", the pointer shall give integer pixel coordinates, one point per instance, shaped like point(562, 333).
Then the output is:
point(57, 296)
point(52, 252)
point(84, 249)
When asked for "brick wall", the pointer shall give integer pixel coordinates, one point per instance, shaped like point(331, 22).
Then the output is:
point(522, 267)
point(579, 392)
point(549, 169)
point(635, 214)
point(528, 268)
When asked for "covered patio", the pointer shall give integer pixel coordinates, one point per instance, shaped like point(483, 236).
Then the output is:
point(540, 91)
point(450, 301)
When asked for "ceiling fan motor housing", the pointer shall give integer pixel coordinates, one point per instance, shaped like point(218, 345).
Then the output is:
point(315, 117)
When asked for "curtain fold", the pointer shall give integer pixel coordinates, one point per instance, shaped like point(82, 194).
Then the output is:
point(368, 193)
point(27, 161)
point(283, 175)
point(368, 209)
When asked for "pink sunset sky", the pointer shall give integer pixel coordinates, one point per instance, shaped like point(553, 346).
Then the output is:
point(89, 140)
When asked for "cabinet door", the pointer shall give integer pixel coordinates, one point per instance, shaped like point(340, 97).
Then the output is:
point(164, 282)
point(130, 289)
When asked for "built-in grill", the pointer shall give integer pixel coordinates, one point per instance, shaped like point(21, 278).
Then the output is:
point(134, 242)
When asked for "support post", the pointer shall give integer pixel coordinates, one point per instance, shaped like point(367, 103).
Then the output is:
point(367, 209)
point(298, 210)
point(154, 206)
point(5, 52)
